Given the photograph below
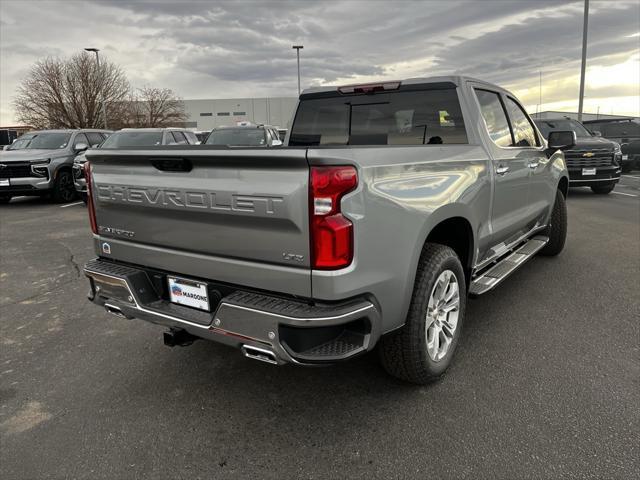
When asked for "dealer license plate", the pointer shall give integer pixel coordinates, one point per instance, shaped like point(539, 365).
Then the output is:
point(4, 182)
point(588, 171)
point(188, 292)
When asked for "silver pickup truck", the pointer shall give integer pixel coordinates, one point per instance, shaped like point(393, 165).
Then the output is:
point(390, 204)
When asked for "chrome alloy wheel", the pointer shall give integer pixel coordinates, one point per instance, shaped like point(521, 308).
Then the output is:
point(442, 315)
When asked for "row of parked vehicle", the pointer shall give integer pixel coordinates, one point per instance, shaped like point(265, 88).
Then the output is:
point(50, 162)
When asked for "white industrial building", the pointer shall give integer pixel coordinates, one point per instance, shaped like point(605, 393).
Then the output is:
point(574, 115)
point(207, 114)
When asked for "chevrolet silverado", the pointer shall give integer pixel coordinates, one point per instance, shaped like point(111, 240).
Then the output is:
point(388, 206)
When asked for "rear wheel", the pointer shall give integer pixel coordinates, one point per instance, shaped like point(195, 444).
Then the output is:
point(422, 349)
point(603, 189)
point(557, 228)
point(63, 190)
point(5, 199)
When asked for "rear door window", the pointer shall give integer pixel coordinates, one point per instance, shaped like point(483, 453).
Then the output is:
point(494, 117)
point(179, 138)
point(94, 138)
point(393, 118)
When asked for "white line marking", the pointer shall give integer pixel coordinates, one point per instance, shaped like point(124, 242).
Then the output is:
point(626, 194)
point(630, 176)
point(78, 203)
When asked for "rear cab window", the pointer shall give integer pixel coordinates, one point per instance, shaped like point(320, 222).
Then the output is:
point(415, 115)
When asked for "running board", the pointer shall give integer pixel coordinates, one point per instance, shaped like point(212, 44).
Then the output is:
point(490, 278)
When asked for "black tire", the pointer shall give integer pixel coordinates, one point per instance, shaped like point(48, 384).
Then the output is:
point(557, 228)
point(403, 353)
point(5, 199)
point(603, 189)
point(64, 191)
point(84, 197)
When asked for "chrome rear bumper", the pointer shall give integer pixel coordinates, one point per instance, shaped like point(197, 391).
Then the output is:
point(265, 327)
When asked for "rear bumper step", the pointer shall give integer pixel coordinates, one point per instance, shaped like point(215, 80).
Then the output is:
point(264, 327)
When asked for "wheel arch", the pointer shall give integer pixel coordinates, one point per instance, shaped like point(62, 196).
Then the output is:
point(563, 186)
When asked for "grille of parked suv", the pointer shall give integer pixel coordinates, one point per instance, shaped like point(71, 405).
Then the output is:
point(602, 157)
point(15, 170)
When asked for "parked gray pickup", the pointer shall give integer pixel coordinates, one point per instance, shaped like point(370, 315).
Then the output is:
point(390, 205)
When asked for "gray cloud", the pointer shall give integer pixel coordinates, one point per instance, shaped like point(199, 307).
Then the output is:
point(227, 49)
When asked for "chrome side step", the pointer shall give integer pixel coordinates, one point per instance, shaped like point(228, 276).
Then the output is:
point(490, 278)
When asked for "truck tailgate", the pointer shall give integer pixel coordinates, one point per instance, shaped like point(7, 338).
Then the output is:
point(211, 205)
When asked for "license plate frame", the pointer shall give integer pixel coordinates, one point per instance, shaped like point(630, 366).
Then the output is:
point(588, 171)
point(189, 293)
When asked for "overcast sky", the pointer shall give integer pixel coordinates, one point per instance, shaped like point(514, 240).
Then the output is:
point(243, 49)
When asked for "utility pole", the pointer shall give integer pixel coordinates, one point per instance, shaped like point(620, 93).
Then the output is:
point(584, 58)
point(104, 108)
point(297, 49)
point(540, 91)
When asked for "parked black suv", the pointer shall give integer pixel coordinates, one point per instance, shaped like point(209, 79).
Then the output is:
point(594, 162)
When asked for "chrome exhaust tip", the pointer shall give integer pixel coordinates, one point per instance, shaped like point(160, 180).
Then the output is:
point(113, 310)
point(259, 354)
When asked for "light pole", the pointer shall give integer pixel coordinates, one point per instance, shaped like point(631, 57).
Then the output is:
point(297, 49)
point(104, 108)
point(584, 58)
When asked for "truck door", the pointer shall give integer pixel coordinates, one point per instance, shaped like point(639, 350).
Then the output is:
point(542, 188)
point(510, 213)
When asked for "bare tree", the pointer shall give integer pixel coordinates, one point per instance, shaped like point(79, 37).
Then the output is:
point(156, 107)
point(66, 93)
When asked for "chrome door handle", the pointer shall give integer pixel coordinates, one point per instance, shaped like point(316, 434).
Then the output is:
point(502, 169)
point(533, 165)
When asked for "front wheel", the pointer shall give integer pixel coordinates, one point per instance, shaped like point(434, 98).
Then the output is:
point(557, 228)
point(603, 189)
point(421, 351)
point(63, 191)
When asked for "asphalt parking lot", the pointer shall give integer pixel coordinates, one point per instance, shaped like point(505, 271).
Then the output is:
point(546, 382)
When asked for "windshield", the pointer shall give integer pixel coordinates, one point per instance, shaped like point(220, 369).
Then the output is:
point(47, 141)
point(238, 137)
point(132, 139)
point(547, 126)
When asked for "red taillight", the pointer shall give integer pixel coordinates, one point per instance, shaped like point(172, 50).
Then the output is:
point(90, 206)
point(331, 232)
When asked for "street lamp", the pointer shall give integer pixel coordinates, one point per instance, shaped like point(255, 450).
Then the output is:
point(104, 108)
point(297, 49)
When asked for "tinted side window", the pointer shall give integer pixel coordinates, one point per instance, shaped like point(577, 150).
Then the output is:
point(94, 138)
point(523, 131)
point(191, 137)
point(179, 138)
point(80, 138)
point(495, 117)
point(394, 118)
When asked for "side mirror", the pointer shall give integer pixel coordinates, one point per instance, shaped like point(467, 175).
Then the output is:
point(597, 133)
point(276, 143)
point(79, 147)
point(562, 140)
